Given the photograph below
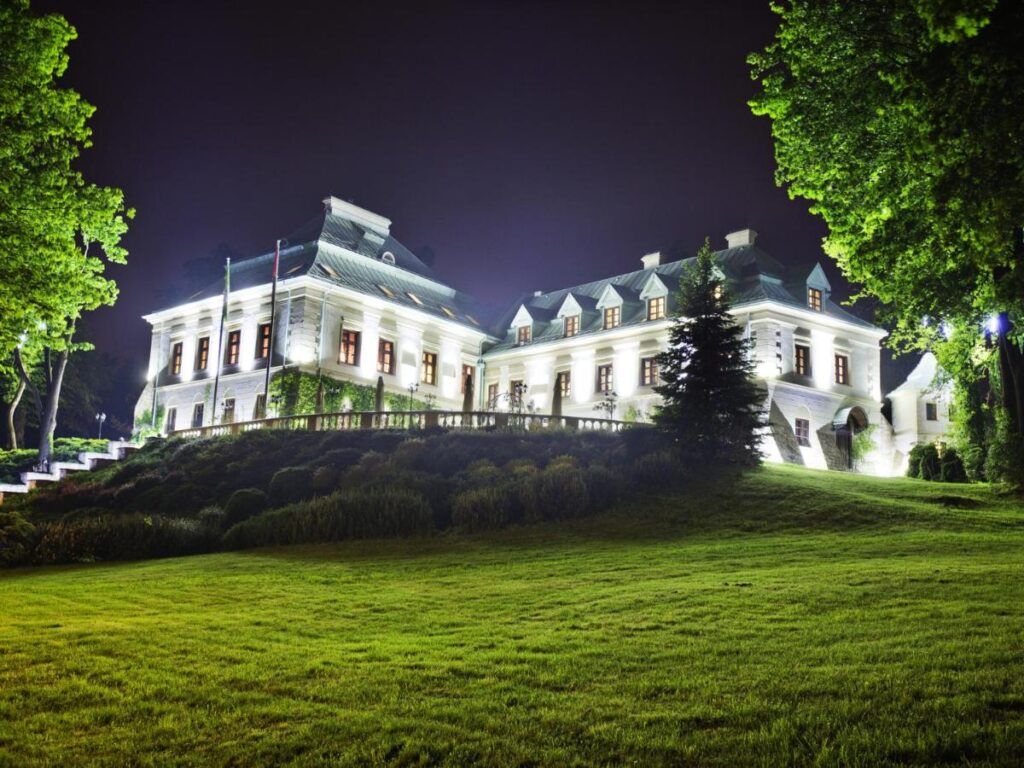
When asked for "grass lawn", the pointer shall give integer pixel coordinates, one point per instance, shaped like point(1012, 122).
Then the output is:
point(796, 618)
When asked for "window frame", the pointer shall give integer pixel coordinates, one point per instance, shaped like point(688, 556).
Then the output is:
point(467, 370)
point(492, 394)
point(649, 371)
point(177, 351)
point(198, 415)
point(815, 299)
point(263, 331)
point(259, 408)
point(931, 411)
point(524, 335)
point(605, 376)
point(171, 420)
point(842, 370)
point(656, 308)
point(802, 363)
point(802, 430)
point(233, 349)
point(351, 341)
point(614, 314)
point(228, 409)
point(563, 380)
point(574, 322)
point(386, 359)
point(428, 365)
point(202, 360)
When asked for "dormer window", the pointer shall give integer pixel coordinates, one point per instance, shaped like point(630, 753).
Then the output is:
point(572, 325)
point(416, 299)
point(448, 312)
point(386, 291)
point(612, 317)
point(524, 334)
point(656, 308)
point(814, 299)
point(388, 257)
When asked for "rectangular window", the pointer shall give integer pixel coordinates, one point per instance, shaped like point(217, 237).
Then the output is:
point(172, 420)
point(656, 308)
point(492, 395)
point(259, 411)
point(467, 374)
point(605, 380)
point(814, 299)
point(263, 342)
point(197, 415)
point(931, 412)
point(803, 432)
point(802, 360)
point(176, 359)
point(516, 388)
point(612, 317)
point(523, 334)
point(572, 325)
point(203, 353)
point(349, 354)
point(229, 410)
point(232, 349)
point(565, 383)
point(842, 369)
point(428, 372)
point(649, 371)
point(385, 356)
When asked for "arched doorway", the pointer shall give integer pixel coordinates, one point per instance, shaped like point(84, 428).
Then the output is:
point(847, 423)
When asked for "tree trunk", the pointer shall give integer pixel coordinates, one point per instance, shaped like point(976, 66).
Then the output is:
point(10, 408)
point(1011, 374)
point(48, 416)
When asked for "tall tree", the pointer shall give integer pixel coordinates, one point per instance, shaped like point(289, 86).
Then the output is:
point(901, 123)
point(712, 405)
point(57, 231)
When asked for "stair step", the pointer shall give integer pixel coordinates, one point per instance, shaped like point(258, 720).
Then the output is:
point(13, 488)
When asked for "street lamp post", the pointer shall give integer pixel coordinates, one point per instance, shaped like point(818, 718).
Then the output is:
point(100, 418)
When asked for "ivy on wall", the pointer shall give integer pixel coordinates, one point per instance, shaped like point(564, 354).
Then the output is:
point(294, 392)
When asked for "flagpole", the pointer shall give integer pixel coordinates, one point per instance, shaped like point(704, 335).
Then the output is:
point(273, 309)
point(220, 338)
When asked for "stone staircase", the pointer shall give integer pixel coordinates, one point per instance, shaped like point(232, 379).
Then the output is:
point(87, 460)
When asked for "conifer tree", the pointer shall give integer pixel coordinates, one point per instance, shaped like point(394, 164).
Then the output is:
point(712, 407)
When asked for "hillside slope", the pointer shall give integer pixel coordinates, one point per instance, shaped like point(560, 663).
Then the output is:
point(794, 618)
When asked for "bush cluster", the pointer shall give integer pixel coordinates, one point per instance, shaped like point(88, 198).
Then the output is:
point(925, 463)
point(282, 487)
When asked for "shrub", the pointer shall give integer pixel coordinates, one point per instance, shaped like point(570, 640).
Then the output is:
point(211, 518)
point(604, 487)
point(348, 514)
point(951, 468)
point(290, 485)
point(243, 504)
point(656, 470)
point(562, 490)
point(325, 480)
point(16, 538)
point(477, 509)
point(122, 537)
point(923, 462)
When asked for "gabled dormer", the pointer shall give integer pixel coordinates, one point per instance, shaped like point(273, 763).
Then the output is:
point(571, 315)
point(610, 304)
point(817, 289)
point(655, 297)
point(523, 325)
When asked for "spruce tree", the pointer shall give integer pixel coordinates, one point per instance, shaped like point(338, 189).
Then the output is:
point(713, 409)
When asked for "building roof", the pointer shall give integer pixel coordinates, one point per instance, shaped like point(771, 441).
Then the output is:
point(751, 275)
point(350, 247)
point(924, 377)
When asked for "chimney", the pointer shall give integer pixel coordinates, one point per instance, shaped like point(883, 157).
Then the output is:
point(364, 218)
point(651, 260)
point(538, 293)
point(742, 237)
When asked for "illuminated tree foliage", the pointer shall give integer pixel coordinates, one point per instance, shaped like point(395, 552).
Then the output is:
point(903, 124)
point(712, 406)
point(57, 231)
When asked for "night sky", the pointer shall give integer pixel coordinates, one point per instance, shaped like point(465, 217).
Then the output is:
point(529, 145)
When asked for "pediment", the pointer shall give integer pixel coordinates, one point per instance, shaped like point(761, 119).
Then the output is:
point(654, 288)
point(610, 297)
point(569, 307)
point(817, 279)
point(523, 317)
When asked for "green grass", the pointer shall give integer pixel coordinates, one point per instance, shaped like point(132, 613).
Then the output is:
point(797, 618)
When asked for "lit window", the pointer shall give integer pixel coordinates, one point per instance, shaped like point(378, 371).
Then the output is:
point(349, 354)
point(467, 375)
point(572, 325)
point(649, 371)
point(802, 360)
point(203, 353)
point(386, 291)
point(263, 342)
point(197, 415)
point(448, 312)
point(718, 292)
point(234, 345)
point(655, 308)
point(565, 383)
point(605, 380)
point(814, 299)
point(172, 418)
point(612, 317)
point(523, 334)
point(842, 369)
point(385, 356)
point(803, 432)
point(176, 358)
point(516, 388)
point(414, 297)
point(428, 371)
point(931, 412)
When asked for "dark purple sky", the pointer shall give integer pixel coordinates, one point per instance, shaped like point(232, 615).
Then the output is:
point(530, 145)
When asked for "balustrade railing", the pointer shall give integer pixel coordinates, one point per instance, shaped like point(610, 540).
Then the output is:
point(351, 420)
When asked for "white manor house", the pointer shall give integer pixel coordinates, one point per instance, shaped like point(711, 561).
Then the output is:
point(353, 304)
